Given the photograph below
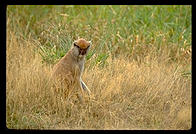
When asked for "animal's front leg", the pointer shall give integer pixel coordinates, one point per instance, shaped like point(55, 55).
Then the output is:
point(79, 91)
point(84, 87)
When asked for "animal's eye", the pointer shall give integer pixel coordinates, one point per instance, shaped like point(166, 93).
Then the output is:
point(87, 48)
point(76, 45)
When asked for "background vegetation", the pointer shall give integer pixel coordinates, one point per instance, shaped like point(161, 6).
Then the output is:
point(138, 68)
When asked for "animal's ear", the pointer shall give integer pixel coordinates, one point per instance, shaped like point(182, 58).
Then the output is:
point(90, 42)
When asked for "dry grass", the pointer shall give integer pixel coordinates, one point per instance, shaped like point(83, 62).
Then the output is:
point(152, 94)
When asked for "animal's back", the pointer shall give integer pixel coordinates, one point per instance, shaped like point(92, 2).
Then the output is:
point(65, 71)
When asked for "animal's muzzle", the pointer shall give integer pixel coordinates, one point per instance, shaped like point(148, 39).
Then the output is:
point(82, 52)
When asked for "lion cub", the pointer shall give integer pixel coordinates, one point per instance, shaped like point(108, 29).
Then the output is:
point(67, 72)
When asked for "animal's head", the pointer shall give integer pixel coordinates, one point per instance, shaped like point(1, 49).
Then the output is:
point(81, 47)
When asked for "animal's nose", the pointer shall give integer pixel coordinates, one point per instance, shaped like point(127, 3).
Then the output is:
point(83, 52)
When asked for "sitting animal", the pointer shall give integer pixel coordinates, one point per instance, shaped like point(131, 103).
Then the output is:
point(67, 72)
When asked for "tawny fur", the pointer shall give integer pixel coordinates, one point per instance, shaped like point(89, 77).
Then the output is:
point(67, 72)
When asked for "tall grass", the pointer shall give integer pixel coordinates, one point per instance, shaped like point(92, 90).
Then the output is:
point(138, 68)
point(113, 29)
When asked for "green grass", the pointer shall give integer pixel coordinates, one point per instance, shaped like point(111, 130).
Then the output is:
point(112, 29)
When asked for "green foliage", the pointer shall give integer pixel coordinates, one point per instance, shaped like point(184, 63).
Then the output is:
point(114, 30)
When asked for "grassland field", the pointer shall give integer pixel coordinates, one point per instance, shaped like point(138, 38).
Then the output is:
point(138, 68)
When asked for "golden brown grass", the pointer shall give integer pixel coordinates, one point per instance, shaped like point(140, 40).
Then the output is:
point(152, 94)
